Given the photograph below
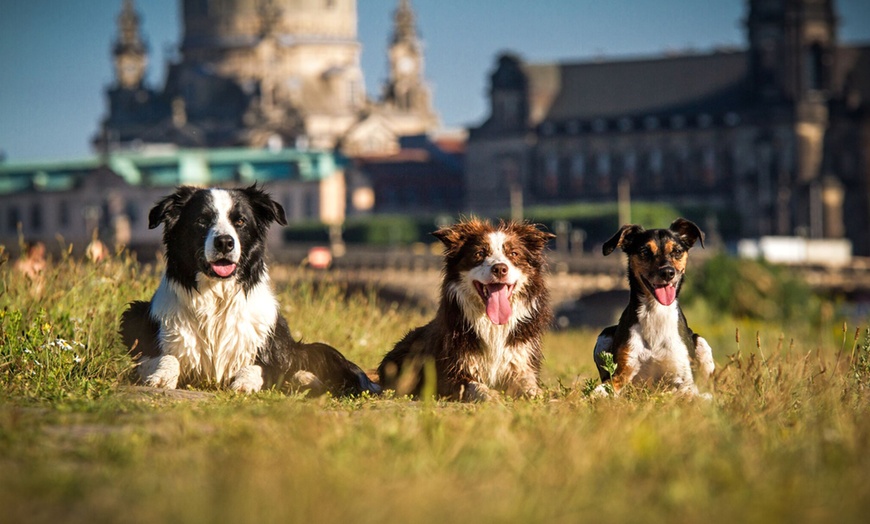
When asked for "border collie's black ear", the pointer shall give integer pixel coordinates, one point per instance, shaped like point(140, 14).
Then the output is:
point(688, 232)
point(265, 205)
point(622, 238)
point(168, 210)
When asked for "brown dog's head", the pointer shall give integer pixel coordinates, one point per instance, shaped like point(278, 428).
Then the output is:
point(657, 258)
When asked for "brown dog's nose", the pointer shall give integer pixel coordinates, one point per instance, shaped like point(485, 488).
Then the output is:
point(500, 270)
point(667, 273)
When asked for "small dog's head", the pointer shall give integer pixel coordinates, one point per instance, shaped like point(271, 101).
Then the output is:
point(218, 233)
point(488, 266)
point(657, 258)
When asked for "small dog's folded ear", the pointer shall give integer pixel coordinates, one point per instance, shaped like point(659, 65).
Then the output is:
point(168, 210)
point(622, 238)
point(688, 232)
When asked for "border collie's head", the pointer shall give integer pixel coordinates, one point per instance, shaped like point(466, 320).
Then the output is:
point(216, 233)
point(489, 268)
point(657, 258)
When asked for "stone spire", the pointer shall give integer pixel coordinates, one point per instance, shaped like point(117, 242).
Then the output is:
point(130, 51)
point(404, 30)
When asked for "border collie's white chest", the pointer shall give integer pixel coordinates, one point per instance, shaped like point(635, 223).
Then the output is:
point(215, 330)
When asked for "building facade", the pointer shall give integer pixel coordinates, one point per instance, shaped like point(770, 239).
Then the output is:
point(257, 73)
point(110, 198)
point(774, 138)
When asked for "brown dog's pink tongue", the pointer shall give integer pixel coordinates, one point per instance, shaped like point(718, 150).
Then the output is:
point(666, 295)
point(498, 304)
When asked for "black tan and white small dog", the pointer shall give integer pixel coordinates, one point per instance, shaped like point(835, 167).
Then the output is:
point(494, 307)
point(214, 318)
point(652, 343)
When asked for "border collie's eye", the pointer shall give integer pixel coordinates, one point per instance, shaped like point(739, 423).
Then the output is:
point(481, 253)
point(202, 222)
point(514, 254)
point(240, 222)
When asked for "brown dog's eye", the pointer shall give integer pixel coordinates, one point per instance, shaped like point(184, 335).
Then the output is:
point(480, 253)
point(514, 254)
point(677, 252)
point(644, 252)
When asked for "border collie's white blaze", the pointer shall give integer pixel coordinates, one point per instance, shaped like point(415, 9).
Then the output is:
point(494, 309)
point(214, 318)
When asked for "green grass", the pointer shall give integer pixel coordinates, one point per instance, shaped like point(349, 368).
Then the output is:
point(785, 438)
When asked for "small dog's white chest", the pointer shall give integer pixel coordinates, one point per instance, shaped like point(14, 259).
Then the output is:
point(216, 331)
point(656, 349)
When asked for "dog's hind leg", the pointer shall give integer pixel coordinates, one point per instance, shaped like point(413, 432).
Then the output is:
point(160, 372)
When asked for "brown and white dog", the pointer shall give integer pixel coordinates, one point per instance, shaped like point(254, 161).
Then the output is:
point(652, 342)
point(494, 308)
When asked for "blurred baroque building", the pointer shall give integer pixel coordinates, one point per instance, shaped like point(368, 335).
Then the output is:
point(277, 73)
point(773, 139)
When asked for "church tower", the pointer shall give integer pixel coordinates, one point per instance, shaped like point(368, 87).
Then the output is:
point(406, 91)
point(792, 47)
point(130, 52)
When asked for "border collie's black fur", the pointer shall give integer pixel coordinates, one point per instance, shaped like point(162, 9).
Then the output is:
point(214, 318)
point(486, 336)
point(652, 342)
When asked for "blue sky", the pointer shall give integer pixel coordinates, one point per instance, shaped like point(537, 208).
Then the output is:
point(55, 54)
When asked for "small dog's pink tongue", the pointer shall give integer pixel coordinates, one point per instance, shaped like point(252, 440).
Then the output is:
point(666, 295)
point(223, 270)
point(498, 304)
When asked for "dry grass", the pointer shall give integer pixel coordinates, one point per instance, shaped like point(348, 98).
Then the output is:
point(785, 438)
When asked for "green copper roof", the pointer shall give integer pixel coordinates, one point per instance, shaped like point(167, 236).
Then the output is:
point(171, 168)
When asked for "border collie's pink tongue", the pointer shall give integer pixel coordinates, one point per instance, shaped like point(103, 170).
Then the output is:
point(498, 304)
point(666, 294)
point(223, 269)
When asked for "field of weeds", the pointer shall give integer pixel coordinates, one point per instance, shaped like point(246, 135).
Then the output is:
point(786, 437)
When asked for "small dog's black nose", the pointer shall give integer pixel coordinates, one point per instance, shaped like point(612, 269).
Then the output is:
point(667, 273)
point(500, 270)
point(224, 243)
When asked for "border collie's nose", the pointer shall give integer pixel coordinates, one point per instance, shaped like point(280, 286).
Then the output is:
point(667, 273)
point(224, 243)
point(500, 270)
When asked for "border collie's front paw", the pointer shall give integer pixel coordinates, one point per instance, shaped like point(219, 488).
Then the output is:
point(248, 380)
point(160, 372)
point(477, 392)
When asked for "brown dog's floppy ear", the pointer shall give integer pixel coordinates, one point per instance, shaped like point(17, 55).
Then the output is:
point(534, 238)
point(168, 210)
point(451, 236)
point(688, 232)
point(621, 239)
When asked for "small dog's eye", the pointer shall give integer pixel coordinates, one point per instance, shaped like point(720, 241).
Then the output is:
point(644, 252)
point(677, 253)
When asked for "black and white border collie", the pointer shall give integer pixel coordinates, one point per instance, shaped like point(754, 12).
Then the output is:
point(214, 318)
point(494, 308)
point(652, 343)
